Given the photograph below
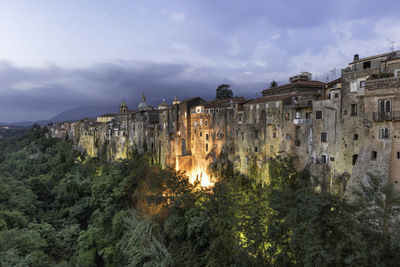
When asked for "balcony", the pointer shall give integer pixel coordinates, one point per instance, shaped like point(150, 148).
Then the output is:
point(386, 116)
point(306, 121)
point(383, 83)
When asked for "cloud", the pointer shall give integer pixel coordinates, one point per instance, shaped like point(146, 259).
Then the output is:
point(176, 17)
point(41, 93)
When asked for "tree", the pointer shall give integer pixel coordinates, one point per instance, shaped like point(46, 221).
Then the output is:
point(273, 84)
point(223, 92)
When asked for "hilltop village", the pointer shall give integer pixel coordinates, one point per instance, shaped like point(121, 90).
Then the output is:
point(339, 130)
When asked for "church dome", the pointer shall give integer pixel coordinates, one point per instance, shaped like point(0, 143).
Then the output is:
point(143, 105)
point(163, 105)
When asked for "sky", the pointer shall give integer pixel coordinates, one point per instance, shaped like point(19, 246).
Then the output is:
point(60, 54)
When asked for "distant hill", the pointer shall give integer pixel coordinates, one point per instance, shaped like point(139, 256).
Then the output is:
point(78, 113)
point(72, 114)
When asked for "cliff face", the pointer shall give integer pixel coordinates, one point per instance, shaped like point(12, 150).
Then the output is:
point(339, 131)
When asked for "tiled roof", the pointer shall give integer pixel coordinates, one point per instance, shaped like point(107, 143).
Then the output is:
point(224, 102)
point(376, 56)
point(273, 98)
point(297, 84)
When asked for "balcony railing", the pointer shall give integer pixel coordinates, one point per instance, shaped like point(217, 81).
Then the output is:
point(386, 116)
point(306, 121)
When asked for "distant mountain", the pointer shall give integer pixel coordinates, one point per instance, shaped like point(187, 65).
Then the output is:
point(78, 113)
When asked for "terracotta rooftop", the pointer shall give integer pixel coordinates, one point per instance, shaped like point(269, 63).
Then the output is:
point(107, 115)
point(376, 56)
point(275, 98)
point(297, 84)
point(224, 102)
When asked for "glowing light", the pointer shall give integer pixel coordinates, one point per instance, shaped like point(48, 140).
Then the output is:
point(201, 176)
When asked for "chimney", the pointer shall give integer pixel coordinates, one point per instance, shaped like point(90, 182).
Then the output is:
point(356, 57)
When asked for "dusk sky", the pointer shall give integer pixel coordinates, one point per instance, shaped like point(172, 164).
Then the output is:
point(55, 55)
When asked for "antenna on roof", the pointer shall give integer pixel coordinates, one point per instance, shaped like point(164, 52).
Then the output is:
point(393, 45)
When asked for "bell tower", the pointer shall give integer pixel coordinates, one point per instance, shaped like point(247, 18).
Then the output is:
point(123, 109)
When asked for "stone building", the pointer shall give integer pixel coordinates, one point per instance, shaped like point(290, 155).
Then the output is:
point(339, 130)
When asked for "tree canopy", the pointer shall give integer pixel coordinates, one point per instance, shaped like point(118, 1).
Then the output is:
point(223, 91)
point(273, 84)
point(59, 207)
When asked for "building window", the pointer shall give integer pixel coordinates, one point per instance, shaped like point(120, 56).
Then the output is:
point(318, 114)
point(251, 106)
point(308, 115)
point(267, 105)
point(255, 149)
point(256, 134)
point(336, 95)
point(398, 155)
point(332, 158)
point(385, 107)
point(271, 148)
point(362, 84)
point(374, 155)
point(324, 137)
point(288, 136)
point(217, 110)
point(201, 122)
point(367, 65)
point(324, 159)
point(355, 136)
point(274, 134)
point(345, 112)
point(207, 137)
point(258, 106)
point(354, 160)
point(287, 116)
point(206, 123)
point(206, 147)
point(195, 123)
point(353, 109)
point(201, 134)
point(384, 133)
point(353, 87)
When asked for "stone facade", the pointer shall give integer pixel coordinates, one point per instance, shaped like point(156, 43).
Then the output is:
point(340, 130)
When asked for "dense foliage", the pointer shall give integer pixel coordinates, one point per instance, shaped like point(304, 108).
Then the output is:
point(59, 208)
point(223, 91)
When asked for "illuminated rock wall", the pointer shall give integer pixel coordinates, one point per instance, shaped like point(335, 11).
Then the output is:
point(332, 129)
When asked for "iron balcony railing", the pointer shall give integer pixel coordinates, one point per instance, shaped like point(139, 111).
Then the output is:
point(305, 121)
point(386, 116)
